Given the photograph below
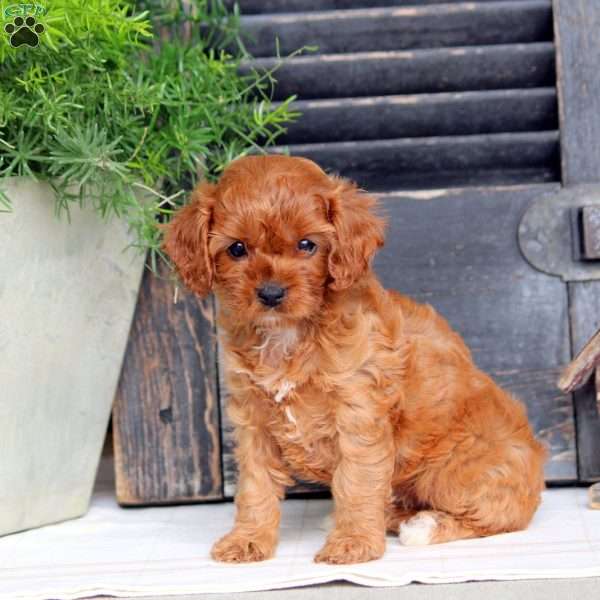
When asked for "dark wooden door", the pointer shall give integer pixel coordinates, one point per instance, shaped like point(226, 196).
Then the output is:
point(461, 116)
point(577, 23)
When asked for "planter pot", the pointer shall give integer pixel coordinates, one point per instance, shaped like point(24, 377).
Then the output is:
point(67, 296)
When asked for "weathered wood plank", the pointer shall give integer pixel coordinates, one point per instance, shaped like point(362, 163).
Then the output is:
point(412, 72)
point(280, 6)
point(582, 367)
point(442, 161)
point(576, 24)
point(584, 304)
point(398, 28)
point(230, 470)
point(457, 249)
point(423, 115)
point(166, 413)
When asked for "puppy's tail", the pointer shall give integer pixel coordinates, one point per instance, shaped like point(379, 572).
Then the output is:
point(434, 527)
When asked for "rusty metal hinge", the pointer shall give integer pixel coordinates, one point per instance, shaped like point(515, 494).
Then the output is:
point(560, 233)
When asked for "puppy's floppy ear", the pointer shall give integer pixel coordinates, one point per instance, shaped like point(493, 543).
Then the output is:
point(186, 240)
point(358, 233)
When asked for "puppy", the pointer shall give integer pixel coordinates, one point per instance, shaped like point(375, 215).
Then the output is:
point(339, 381)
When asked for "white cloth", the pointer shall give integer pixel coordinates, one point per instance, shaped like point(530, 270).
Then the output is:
point(154, 551)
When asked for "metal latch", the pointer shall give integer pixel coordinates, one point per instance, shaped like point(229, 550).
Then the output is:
point(560, 233)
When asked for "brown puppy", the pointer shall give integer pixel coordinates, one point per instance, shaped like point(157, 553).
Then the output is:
point(339, 381)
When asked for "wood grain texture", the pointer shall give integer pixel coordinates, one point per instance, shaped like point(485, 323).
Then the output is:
point(576, 25)
point(434, 162)
point(412, 72)
point(423, 115)
point(399, 28)
point(581, 368)
point(456, 249)
point(166, 414)
point(230, 471)
point(283, 6)
point(584, 303)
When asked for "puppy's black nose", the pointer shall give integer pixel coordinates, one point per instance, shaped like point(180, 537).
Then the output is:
point(270, 294)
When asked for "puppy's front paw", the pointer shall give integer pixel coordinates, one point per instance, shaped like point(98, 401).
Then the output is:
point(236, 548)
point(346, 549)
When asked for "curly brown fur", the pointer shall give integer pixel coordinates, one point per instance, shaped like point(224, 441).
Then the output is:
point(344, 382)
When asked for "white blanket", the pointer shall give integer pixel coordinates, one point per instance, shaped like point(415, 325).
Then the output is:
point(129, 552)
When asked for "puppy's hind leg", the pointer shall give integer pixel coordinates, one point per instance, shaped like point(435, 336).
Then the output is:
point(434, 527)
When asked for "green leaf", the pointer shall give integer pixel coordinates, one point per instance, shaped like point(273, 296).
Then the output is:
point(126, 93)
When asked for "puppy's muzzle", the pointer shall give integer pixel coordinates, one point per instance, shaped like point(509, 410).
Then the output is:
point(271, 294)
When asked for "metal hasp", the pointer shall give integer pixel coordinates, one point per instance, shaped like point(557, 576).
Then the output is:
point(559, 233)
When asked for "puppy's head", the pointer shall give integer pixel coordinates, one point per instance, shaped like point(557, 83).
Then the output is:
point(272, 237)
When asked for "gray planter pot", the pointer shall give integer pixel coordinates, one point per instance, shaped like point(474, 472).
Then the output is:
point(67, 297)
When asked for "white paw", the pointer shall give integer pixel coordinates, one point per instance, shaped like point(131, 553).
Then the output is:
point(418, 530)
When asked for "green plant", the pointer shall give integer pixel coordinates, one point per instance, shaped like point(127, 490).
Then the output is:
point(101, 109)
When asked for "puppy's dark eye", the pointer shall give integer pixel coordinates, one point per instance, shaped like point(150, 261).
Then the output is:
point(237, 250)
point(307, 246)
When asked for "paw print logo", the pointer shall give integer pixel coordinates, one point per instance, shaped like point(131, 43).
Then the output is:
point(24, 32)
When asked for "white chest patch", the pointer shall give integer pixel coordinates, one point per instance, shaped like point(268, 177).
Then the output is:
point(284, 389)
point(290, 415)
